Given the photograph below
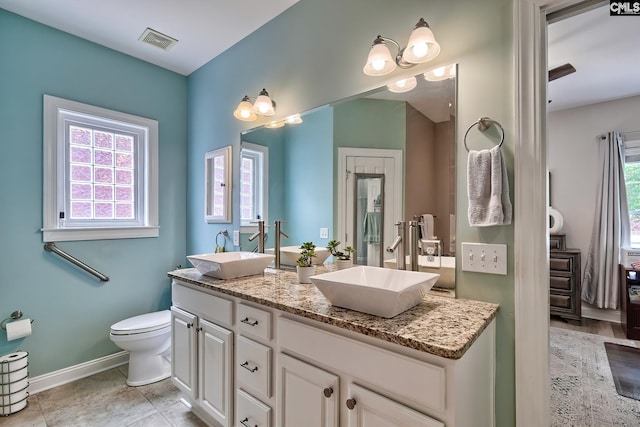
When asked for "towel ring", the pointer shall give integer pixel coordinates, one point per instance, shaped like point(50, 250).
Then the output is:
point(483, 124)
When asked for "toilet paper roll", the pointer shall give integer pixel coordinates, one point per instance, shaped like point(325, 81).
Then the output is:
point(556, 220)
point(18, 329)
point(13, 362)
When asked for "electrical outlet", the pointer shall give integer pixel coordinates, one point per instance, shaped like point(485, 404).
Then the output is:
point(236, 237)
point(324, 233)
point(484, 258)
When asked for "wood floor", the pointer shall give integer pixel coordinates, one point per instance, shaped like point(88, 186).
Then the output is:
point(592, 326)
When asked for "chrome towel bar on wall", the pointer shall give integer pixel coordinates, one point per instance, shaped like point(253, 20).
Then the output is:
point(51, 247)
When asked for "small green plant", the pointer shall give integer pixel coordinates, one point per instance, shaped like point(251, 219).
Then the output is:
point(307, 254)
point(333, 248)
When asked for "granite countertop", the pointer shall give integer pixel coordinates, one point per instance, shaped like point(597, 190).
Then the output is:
point(439, 325)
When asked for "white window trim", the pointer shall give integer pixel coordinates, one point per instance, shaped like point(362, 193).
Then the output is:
point(51, 230)
point(209, 201)
point(244, 228)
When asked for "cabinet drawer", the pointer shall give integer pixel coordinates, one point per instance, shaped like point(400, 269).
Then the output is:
point(412, 379)
point(253, 321)
point(560, 264)
point(251, 412)
point(561, 301)
point(254, 366)
point(207, 306)
point(561, 282)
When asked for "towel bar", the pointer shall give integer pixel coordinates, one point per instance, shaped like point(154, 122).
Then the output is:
point(484, 123)
point(51, 247)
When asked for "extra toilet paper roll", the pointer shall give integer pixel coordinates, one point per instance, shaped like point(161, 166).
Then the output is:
point(18, 329)
point(556, 221)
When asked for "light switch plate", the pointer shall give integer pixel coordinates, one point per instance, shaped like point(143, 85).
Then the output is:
point(324, 233)
point(236, 237)
point(484, 258)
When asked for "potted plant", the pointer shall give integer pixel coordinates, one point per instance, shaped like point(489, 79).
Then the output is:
point(342, 259)
point(305, 267)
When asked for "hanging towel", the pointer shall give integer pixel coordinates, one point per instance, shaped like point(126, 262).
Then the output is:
point(371, 227)
point(487, 189)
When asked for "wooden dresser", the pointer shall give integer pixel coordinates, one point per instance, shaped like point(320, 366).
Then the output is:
point(565, 282)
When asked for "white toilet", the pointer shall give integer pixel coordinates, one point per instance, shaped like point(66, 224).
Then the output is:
point(147, 338)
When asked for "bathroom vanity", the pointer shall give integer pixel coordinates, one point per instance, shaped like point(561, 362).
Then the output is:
point(267, 351)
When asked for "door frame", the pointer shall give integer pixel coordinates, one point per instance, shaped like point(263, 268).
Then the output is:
point(398, 193)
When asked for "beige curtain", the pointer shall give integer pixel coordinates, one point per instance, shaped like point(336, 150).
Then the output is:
point(601, 282)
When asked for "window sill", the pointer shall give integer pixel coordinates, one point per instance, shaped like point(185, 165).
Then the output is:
point(72, 234)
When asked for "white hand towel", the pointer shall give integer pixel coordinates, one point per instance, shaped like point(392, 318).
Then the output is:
point(488, 189)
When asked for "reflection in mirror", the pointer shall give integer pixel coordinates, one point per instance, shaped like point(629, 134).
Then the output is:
point(217, 197)
point(304, 176)
point(368, 218)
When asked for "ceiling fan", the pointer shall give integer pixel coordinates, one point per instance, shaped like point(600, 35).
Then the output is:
point(561, 71)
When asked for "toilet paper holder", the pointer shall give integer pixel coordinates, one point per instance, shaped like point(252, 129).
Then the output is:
point(14, 316)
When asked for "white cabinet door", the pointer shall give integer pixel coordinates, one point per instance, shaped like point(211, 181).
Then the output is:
point(183, 351)
point(308, 395)
point(215, 362)
point(369, 409)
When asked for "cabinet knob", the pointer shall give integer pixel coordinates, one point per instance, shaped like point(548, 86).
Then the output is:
point(351, 403)
point(199, 329)
point(189, 325)
point(328, 392)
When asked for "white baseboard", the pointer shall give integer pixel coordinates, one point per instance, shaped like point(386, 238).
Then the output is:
point(612, 316)
point(72, 373)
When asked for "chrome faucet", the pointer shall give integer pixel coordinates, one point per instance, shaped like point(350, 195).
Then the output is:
point(398, 246)
point(259, 233)
point(279, 233)
point(414, 238)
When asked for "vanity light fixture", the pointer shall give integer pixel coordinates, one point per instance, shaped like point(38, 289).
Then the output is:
point(294, 119)
point(421, 47)
point(263, 106)
point(403, 85)
point(441, 73)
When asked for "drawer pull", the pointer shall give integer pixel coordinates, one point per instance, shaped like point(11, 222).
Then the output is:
point(245, 365)
point(351, 403)
point(245, 423)
point(328, 392)
point(249, 322)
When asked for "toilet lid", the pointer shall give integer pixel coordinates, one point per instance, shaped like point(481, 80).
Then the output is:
point(143, 323)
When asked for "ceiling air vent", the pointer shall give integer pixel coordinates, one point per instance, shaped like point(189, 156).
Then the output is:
point(157, 39)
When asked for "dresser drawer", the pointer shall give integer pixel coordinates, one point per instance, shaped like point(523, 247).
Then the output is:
point(561, 282)
point(561, 301)
point(560, 264)
point(253, 321)
point(206, 305)
point(251, 412)
point(254, 366)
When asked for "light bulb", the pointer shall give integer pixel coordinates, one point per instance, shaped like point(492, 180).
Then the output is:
point(245, 114)
point(378, 64)
point(439, 72)
point(420, 50)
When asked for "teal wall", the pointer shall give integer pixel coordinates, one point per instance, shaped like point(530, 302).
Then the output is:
point(73, 310)
point(313, 54)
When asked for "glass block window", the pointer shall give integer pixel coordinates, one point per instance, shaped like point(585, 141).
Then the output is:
point(100, 173)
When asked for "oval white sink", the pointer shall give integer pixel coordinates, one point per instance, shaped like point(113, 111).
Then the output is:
point(375, 290)
point(229, 265)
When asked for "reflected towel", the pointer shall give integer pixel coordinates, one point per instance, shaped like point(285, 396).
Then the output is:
point(371, 227)
point(488, 189)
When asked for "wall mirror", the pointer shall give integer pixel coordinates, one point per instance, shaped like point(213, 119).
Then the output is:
point(323, 172)
point(217, 189)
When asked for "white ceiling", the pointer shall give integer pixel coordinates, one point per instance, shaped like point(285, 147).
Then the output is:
point(605, 50)
point(204, 28)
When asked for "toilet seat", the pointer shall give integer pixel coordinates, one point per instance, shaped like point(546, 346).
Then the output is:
point(143, 323)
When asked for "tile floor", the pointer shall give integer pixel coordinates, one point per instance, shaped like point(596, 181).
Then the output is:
point(104, 399)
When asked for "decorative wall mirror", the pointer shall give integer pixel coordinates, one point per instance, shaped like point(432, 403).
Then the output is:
point(218, 185)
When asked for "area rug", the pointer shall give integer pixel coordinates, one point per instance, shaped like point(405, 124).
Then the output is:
point(624, 362)
point(582, 388)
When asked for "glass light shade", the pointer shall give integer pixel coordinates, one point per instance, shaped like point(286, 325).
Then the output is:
point(404, 85)
point(275, 124)
point(422, 45)
point(244, 111)
point(379, 61)
point(294, 119)
point(264, 105)
point(441, 73)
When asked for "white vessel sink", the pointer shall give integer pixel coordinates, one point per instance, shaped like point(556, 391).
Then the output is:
point(290, 254)
point(228, 265)
point(446, 268)
point(375, 290)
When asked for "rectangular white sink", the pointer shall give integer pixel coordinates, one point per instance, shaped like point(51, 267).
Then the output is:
point(374, 290)
point(290, 254)
point(229, 265)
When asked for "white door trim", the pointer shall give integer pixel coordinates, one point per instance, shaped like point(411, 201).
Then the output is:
point(398, 193)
